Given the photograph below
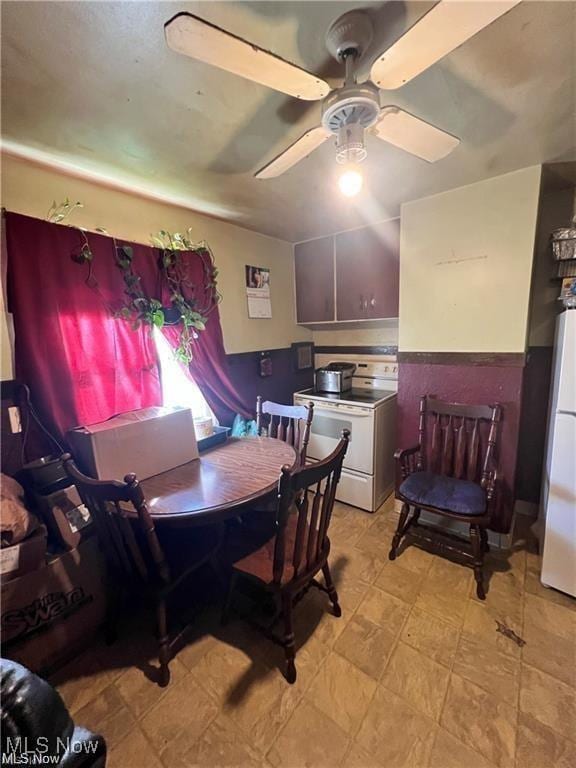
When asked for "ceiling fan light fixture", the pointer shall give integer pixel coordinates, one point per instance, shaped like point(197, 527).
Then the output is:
point(350, 146)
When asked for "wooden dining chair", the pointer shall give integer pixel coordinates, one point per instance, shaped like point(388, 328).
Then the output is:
point(136, 555)
point(290, 423)
point(451, 473)
point(286, 564)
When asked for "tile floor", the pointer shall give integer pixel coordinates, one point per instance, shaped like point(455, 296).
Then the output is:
point(414, 674)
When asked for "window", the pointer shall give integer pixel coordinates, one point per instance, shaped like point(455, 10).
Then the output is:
point(177, 387)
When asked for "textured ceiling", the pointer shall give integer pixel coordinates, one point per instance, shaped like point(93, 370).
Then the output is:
point(94, 85)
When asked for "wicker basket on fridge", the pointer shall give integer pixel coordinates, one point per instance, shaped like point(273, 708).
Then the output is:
point(564, 251)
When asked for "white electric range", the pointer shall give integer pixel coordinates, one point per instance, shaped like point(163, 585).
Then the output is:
point(368, 410)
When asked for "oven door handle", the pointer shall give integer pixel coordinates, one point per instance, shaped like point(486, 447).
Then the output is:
point(342, 410)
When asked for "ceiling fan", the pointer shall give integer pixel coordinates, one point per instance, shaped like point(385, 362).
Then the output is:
point(353, 109)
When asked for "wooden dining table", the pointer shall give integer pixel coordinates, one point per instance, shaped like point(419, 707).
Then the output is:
point(220, 484)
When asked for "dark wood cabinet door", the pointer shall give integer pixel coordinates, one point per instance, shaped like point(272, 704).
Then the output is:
point(368, 272)
point(314, 267)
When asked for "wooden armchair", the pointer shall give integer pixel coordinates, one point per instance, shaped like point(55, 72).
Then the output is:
point(136, 555)
point(452, 473)
point(286, 564)
point(290, 423)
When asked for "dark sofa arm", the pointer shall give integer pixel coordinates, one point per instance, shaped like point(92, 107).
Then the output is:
point(35, 720)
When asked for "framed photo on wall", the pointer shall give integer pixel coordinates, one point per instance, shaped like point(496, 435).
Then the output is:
point(303, 355)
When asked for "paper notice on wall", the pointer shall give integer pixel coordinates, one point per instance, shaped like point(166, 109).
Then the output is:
point(258, 292)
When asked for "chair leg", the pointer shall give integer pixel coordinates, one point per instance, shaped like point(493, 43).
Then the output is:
point(115, 597)
point(399, 531)
point(476, 539)
point(484, 540)
point(332, 594)
point(228, 603)
point(164, 645)
point(111, 625)
point(289, 645)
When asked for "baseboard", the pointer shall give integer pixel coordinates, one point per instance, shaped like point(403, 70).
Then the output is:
point(497, 540)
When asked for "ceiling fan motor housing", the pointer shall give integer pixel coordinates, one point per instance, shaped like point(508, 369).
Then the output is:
point(347, 113)
point(356, 103)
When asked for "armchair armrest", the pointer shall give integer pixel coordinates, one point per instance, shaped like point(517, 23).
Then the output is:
point(402, 452)
point(407, 461)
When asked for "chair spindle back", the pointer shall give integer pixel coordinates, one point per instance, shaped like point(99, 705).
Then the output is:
point(289, 423)
point(113, 506)
point(309, 492)
point(458, 440)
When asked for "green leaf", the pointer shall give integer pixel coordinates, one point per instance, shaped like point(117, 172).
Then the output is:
point(158, 319)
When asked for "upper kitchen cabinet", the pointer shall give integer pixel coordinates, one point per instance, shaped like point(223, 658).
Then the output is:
point(314, 268)
point(351, 276)
point(368, 272)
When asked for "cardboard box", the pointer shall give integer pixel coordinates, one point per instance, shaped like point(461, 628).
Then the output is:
point(146, 442)
point(48, 615)
point(28, 555)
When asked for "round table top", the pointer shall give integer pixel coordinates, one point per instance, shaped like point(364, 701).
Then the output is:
point(220, 482)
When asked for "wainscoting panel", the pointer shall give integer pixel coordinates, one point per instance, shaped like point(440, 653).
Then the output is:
point(279, 387)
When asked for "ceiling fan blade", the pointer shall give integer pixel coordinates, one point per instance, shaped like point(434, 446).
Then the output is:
point(297, 151)
point(205, 42)
point(414, 135)
point(445, 27)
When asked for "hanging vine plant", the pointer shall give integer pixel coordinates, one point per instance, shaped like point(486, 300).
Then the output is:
point(188, 308)
point(184, 309)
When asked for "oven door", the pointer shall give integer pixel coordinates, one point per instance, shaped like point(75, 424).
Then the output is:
point(326, 431)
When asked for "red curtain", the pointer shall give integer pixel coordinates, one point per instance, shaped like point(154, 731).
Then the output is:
point(209, 367)
point(82, 364)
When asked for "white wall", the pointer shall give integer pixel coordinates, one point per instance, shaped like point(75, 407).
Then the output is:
point(30, 189)
point(386, 335)
point(466, 264)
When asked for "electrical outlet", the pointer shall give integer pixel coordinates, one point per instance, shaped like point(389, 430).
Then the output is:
point(14, 417)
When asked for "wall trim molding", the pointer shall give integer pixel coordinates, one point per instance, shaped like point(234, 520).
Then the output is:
point(358, 350)
point(495, 359)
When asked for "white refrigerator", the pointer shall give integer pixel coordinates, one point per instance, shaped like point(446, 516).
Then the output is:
point(559, 482)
